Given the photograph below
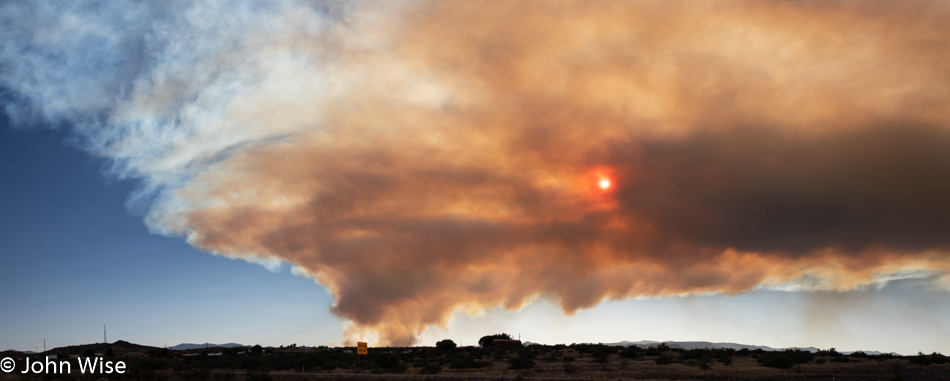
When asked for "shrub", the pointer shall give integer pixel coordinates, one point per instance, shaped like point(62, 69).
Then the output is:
point(569, 368)
point(787, 358)
point(781, 361)
point(527, 353)
point(692, 354)
point(724, 356)
point(938, 358)
point(431, 369)
point(389, 363)
point(921, 359)
point(664, 359)
point(632, 351)
point(468, 363)
point(520, 363)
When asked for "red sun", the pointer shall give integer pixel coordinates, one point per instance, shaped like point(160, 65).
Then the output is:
point(604, 183)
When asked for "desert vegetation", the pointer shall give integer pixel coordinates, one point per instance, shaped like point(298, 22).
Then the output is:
point(447, 361)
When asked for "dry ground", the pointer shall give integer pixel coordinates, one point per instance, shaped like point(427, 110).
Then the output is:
point(584, 367)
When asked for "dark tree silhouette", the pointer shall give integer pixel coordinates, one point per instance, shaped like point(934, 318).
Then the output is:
point(445, 345)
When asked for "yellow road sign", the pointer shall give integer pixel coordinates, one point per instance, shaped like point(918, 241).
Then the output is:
point(361, 348)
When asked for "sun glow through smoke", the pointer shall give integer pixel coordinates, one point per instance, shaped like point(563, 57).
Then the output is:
point(604, 184)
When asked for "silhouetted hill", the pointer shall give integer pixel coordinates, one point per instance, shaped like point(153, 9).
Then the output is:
point(702, 344)
point(189, 346)
point(119, 347)
point(687, 345)
point(13, 353)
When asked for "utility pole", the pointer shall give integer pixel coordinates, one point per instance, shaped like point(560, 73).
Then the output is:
point(44, 345)
point(104, 339)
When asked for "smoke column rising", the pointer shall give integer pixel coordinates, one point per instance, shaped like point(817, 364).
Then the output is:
point(424, 158)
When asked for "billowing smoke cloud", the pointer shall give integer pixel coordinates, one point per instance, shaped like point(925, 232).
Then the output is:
point(420, 159)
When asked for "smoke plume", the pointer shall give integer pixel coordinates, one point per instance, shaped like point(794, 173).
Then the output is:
point(425, 158)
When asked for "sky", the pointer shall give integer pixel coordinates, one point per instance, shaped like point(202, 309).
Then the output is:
point(770, 173)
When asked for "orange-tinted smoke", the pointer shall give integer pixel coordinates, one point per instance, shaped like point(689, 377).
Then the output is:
point(748, 143)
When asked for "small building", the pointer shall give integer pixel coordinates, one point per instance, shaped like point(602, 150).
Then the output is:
point(496, 343)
